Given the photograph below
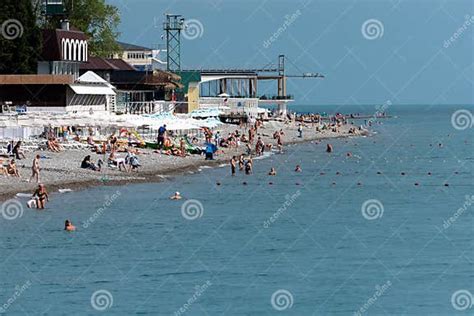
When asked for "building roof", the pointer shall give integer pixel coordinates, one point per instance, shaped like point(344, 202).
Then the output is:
point(128, 46)
point(121, 64)
point(99, 63)
point(91, 77)
point(52, 42)
point(35, 79)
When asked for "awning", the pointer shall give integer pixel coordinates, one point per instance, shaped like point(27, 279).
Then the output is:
point(93, 90)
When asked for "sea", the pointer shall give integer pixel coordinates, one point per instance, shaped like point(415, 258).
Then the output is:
point(383, 225)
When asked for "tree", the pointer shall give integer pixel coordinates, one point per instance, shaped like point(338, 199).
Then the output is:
point(98, 20)
point(20, 38)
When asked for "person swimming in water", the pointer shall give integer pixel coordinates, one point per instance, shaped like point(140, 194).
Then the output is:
point(272, 172)
point(69, 226)
point(329, 148)
point(41, 196)
point(176, 196)
point(298, 168)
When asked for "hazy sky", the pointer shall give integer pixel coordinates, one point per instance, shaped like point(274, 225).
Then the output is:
point(405, 54)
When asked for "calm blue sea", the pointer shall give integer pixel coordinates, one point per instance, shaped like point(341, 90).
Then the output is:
point(348, 235)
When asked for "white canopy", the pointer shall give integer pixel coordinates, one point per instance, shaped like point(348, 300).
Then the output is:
point(91, 89)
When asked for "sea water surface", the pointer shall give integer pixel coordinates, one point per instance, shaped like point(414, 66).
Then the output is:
point(303, 245)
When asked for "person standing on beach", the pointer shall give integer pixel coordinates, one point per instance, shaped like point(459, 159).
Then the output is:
point(233, 163)
point(35, 168)
point(17, 152)
point(182, 147)
point(251, 135)
point(161, 136)
point(300, 131)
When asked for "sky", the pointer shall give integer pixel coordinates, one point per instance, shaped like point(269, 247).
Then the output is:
point(370, 51)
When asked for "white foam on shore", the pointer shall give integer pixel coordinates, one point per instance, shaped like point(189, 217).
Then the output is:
point(24, 195)
point(266, 154)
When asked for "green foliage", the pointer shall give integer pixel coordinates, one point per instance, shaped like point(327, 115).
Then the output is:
point(20, 37)
point(99, 21)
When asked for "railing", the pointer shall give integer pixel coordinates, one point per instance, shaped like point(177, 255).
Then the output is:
point(277, 97)
point(145, 107)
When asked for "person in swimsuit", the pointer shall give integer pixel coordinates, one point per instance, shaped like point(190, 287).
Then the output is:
point(12, 169)
point(41, 196)
point(35, 169)
point(69, 226)
point(233, 163)
point(176, 196)
point(18, 152)
point(241, 163)
point(272, 172)
point(329, 148)
point(248, 166)
point(298, 168)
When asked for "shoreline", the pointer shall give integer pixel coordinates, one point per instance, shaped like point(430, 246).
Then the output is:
point(155, 167)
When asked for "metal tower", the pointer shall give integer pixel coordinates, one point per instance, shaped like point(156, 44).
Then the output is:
point(173, 26)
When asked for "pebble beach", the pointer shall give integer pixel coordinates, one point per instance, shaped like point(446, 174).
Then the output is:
point(61, 171)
